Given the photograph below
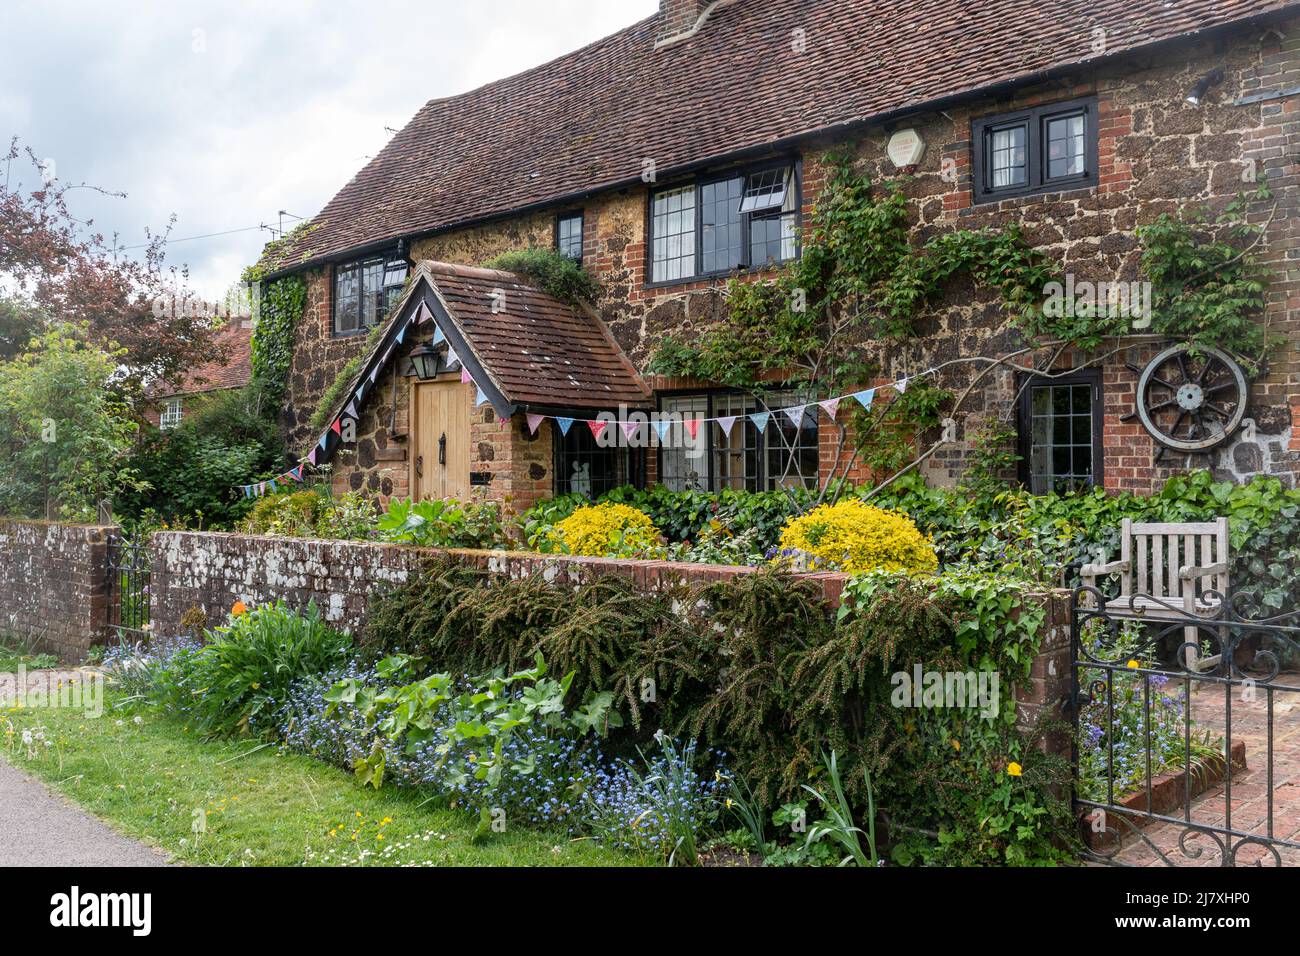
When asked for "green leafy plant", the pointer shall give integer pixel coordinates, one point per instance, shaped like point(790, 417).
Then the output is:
point(246, 669)
point(557, 274)
point(443, 523)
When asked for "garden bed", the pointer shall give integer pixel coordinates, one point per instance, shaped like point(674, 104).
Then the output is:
point(1169, 792)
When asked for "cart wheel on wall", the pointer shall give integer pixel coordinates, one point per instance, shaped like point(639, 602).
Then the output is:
point(1191, 400)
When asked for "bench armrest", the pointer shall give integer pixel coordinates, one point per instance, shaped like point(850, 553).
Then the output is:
point(1190, 571)
point(1095, 570)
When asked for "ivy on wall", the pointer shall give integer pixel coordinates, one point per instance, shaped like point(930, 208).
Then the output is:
point(274, 335)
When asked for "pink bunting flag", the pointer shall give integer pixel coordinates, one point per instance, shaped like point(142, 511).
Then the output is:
point(337, 427)
point(465, 377)
point(832, 406)
point(312, 457)
point(534, 422)
point(597, 428)
point(630, 429)
point(692, 426)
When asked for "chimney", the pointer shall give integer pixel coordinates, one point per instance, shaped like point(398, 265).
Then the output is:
point(678, 19)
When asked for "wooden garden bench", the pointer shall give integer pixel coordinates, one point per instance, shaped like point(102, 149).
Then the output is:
point(1166, 572)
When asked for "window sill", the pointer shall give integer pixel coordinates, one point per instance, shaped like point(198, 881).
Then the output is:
point(713, 277)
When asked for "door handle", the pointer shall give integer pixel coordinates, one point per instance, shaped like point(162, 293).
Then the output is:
point(419, 466)
point(442, 449)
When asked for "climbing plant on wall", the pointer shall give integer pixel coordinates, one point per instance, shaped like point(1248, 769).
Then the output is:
point(862, 279)
point(273, 337)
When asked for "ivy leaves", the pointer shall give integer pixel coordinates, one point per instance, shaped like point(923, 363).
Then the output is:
point(273, 336)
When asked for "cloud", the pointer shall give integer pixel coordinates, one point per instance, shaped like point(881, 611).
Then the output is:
point(225, 112)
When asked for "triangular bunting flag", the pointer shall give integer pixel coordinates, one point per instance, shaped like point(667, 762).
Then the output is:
point(337, 427)
point(479, 397)
point(692, 426)
point(465, 377)
point(324, 440)
point(901, 385)
point(630, 429)
point(423, 314)
point(865, 397)
point(795, 414)
point(534, 422)
point(351, 410)
point(438, 336)
point(401, 334)
point(373, 372)
point(726, 423)
point(831, 406)
point(452, 357)
point(565, 424)
point(312, 457)
point(760, 420)
point(662, 427)
point(597, 428)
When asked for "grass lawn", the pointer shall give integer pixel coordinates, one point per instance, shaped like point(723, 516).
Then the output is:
point(152, 780)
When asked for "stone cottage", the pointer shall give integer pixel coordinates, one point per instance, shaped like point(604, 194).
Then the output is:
point(690, 148)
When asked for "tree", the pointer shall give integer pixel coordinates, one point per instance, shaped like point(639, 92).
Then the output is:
point(53, 262)
point(67, 431)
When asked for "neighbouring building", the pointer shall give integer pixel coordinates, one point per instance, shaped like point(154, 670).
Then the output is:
point(230, 367)
point(690, 148)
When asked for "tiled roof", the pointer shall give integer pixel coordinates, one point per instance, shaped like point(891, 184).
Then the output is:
point(230, 367)
point(589, 120)
point(538, 351)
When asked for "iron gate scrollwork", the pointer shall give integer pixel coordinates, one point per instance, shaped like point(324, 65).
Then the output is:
point(130, 564)
point(1143, 671)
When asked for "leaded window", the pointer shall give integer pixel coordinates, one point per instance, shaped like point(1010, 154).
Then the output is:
point(1060, 433)
point(568, 235)
point(720, 224)
point(365, 290)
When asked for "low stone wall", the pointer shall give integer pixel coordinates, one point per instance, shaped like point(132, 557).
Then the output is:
point(54, 587)
point(211, 571)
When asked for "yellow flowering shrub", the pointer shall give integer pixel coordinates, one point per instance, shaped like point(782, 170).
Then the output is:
point(606, 530)
point(855, 536)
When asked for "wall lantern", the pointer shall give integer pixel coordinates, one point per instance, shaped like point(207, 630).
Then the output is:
point(906, 147)
point(425, 361)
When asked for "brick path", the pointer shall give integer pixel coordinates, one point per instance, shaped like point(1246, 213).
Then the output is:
point(1250, 787)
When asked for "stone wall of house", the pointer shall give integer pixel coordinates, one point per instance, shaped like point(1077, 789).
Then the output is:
point(54, 585)
point(1157, 155)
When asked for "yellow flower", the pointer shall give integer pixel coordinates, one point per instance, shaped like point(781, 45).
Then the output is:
point(956, 744)
point(728, 803)
point(1133, 665)
point(854, 536)
point(1014, 769)
point(606, 530)
point(239, 609)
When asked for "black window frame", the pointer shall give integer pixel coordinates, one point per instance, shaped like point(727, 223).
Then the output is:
point(1035, 121)
point(581, 445)
point(697, 183)
point(387, 259)
point(1024, 421)
point(568, 215)
point(811, 411)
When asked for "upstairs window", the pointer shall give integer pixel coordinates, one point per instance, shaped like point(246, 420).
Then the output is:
point(364, 291)
point(1045, 149)
point(172, 412)
point(568, 235)
point(716, 225)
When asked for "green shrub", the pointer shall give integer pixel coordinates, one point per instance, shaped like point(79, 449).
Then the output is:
point(557, 274)
point(443, 523)
point(243, 674)
point(311, 514)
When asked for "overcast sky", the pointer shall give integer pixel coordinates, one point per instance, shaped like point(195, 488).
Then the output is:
point(226, 111)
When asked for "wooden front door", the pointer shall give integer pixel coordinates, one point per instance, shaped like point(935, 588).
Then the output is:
point(440, 445)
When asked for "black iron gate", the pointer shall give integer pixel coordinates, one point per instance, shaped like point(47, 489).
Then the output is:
point(130, 563)
point(1176, 718)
